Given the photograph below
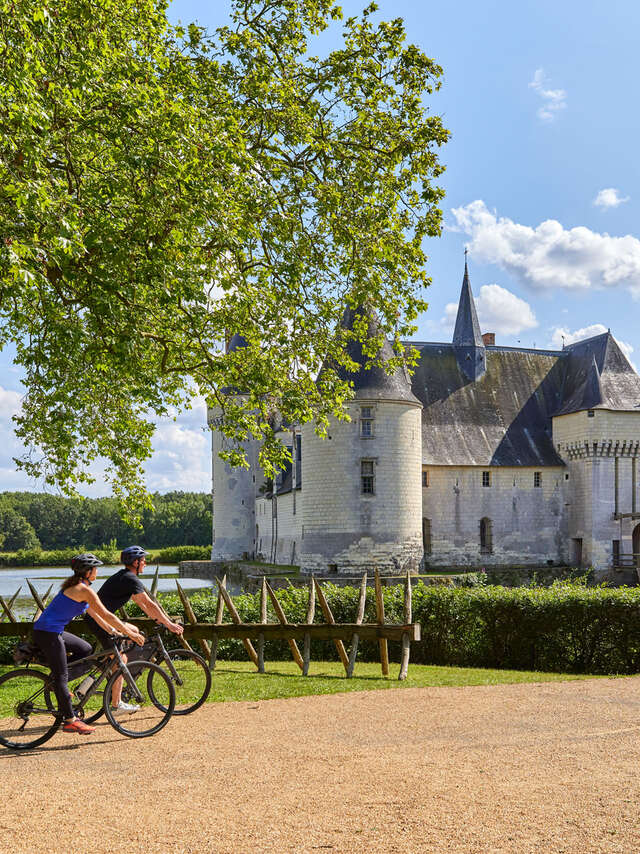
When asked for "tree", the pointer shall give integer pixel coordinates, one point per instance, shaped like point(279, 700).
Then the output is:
point(15, 532)
point(163, 187)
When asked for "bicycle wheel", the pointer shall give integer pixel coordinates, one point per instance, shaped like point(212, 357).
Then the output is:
point(154, 712)
point(25, 718)
point(194, 680)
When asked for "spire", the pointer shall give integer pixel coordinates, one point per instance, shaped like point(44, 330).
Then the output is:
point(467, 331)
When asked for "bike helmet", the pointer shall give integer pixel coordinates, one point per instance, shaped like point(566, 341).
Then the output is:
point(84, 562)
point(131, 554)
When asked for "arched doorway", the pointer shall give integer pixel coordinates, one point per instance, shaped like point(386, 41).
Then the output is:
point(636, 545)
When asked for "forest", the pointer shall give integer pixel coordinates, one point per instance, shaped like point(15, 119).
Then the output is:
point(31, 520)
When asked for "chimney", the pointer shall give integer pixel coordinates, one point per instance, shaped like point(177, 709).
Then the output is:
point(489, 339)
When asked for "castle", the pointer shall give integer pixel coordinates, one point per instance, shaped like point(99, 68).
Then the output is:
point(486, 455)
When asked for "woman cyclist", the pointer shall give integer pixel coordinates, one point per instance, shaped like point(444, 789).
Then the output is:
point(61, 648)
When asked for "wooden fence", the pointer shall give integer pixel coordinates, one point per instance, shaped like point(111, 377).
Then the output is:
point(208, 635)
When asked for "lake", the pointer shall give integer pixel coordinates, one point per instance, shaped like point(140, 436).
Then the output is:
point(42, 577)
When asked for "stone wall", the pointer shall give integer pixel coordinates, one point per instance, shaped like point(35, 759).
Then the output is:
point(346, 530)
point(528, 523)
point(601, 450)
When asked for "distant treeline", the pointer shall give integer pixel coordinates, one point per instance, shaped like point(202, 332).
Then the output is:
point(31, 520)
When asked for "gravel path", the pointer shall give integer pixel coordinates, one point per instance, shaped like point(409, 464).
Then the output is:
point(540, 768)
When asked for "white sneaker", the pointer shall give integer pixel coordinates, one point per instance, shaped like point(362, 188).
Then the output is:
point(124, 708)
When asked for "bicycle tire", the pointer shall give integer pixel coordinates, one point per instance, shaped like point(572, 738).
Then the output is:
point(199, 671)
point(35, 682)
point(155, 723)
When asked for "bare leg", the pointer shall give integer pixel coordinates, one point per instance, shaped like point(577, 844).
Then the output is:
point(116, 691)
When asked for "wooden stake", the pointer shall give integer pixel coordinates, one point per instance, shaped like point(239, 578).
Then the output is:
point(326, 610)
point(384, 647)
point(219, 611)
point(236, 619)
point(406, 643)
point(263, 619)
point(311, 613)
point(11, 601)
point(277, 607)
point(8, 611)
point(359, 618)
point(188, 610)
point(41, 604)
point(154, 583)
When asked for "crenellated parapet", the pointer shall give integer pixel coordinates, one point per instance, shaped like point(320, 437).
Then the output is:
point(599, 448)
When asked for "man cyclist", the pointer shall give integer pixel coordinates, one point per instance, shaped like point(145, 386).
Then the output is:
point(116, 591)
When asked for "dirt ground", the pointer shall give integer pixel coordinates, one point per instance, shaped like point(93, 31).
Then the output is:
point(518, 768)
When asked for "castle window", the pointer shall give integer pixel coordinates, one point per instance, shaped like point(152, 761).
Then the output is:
point(591, 413)
point(366, 422)
point(486, 478)
point(486, 536)
point(426, 480)
point(426, 536)
point(537, 478)
point(367, 477)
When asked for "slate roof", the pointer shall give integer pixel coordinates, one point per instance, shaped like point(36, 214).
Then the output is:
point(467, 331)
point(504, 417)
point(374, 383)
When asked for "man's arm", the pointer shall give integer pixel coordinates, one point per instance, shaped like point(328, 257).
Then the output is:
point(153, 610)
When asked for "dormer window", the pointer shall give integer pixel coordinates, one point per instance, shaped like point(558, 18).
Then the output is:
point(366, 422)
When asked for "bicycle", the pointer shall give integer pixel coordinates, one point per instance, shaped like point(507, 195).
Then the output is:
point(187, 670)
point(29, 714)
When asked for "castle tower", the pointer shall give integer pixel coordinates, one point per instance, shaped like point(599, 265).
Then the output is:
point(362, 485)
point(597, 433)
point(234, 489)
point(467, 340)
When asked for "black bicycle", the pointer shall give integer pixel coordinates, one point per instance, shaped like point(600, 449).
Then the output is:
point(187, 670)
point(29, 713)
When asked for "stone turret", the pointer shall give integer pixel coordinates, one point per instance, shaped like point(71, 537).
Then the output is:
point(362, 486)
point(234, 489)
point(596, 431)
point(467, 340)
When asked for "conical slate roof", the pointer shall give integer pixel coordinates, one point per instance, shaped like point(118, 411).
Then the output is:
point(237, 343)
point(467, 331)
point(373, 383)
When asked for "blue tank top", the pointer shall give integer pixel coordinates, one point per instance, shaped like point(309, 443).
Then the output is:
point(60, 611)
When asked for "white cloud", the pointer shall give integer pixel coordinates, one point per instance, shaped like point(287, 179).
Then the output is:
point(609, 198)
point(554, 100)
point(10, 402)
point(550, 256)
point(562, 335)
point(499, 311)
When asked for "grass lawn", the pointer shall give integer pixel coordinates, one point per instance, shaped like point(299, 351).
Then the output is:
point(238, 680)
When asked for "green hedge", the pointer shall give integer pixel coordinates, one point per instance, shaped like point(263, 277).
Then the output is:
point(567, 627)
point(58, 557)
point(174, 554)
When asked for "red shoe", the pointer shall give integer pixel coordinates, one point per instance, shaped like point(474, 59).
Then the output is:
point(78, 726)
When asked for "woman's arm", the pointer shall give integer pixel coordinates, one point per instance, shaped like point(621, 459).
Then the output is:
point(108, 620)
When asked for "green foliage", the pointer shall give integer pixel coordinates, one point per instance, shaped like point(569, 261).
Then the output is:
point(160, 186)
point(15, 532)
point(174, 554)
point(56, 522)
point(567, 627)
point(56, 557)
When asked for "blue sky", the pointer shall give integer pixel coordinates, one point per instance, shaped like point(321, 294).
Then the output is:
point(542, 185)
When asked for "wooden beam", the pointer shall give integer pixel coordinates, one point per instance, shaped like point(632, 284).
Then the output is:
point(326, 610)
point(228, 601)
point(311, 613)
point(406, 643)
point(263, 619)
point(189, 614)
point(219, 611)
point(359, 618)
point(272, 631)
point(384, 648)
point(277, 607)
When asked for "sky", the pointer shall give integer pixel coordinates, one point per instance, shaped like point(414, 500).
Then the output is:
point(542, 186)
